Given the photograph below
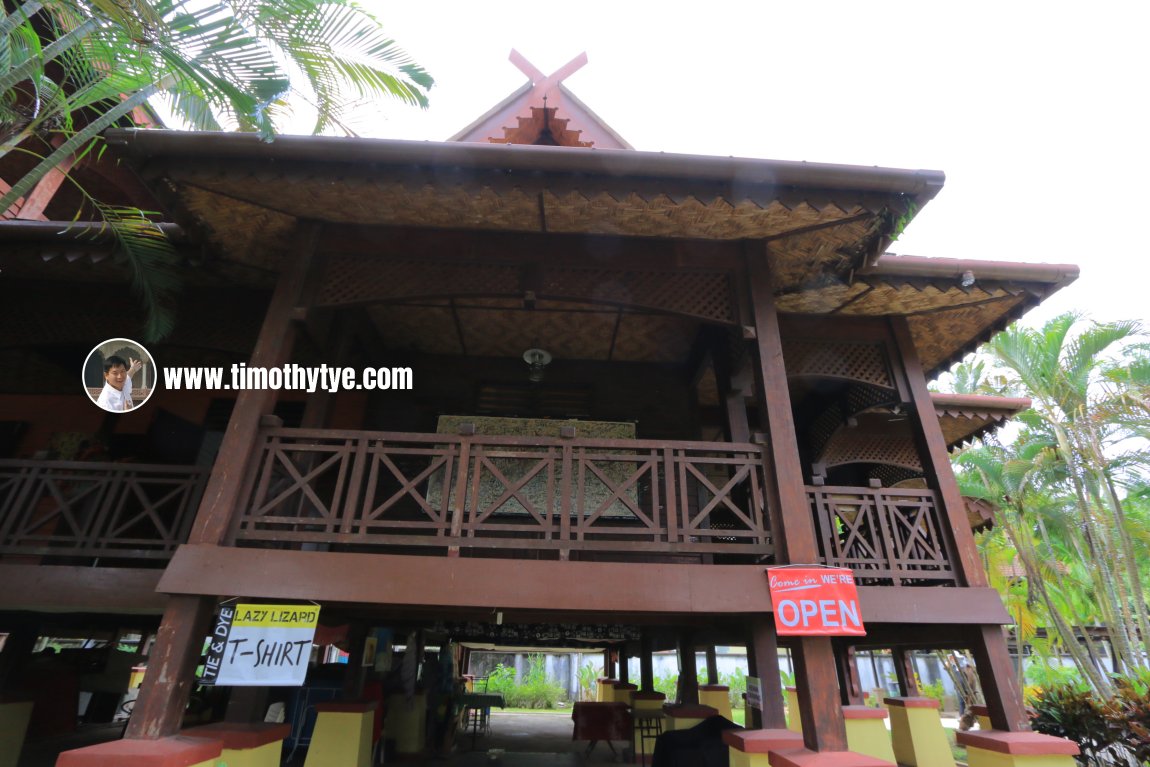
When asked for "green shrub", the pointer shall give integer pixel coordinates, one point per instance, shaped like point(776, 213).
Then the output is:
point(1108, 732)
point(534, 691)
point(588, 678)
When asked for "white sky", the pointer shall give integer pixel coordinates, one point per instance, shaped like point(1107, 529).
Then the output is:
point(1036, 111)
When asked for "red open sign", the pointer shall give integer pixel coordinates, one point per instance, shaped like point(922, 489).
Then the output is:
point(815, 601)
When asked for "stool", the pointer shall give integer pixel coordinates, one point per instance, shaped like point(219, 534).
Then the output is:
point(648, 724)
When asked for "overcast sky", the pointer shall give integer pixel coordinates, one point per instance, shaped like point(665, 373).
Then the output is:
point(1036, 111)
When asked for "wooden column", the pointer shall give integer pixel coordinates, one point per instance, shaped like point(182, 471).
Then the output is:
point(997, 677)
point(712, 665)
point(273, 348)
point(792, 522)
point(936, 461)
point(646, 663)
point(904, 672)
point(608, 666)
point(688, 670)
point(163, 697)
point(164, 694)
point(765, 650)
point(849, 684)
point(624, 672)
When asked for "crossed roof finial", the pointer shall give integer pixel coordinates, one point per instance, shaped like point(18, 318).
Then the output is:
point(546, 85)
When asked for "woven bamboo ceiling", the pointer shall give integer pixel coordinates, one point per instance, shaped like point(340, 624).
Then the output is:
point(824, 227)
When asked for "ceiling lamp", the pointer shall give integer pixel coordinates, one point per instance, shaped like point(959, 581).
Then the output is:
point(537, 360)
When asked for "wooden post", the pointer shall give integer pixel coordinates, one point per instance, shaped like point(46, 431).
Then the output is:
point(765, 650)
point(793, 525)
point(712, 665)
point(164, 694)
point(688, 670)
point(273, 348)
point(936, 461)
point(997, 677)
point(646, 663)
point(608, 666)
point(904, 672)
point(623, 661)
point(849, 684)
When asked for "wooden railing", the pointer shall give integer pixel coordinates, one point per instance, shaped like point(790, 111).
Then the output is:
point(51, 509)
point(540, 494)
point(888, 536)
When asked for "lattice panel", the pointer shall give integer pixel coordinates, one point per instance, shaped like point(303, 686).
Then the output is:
point(352, 279)
point(892, 476)
point(939, 336)
point(698, 294)
point(828, 359)
point(864, 446)
point(860, 398)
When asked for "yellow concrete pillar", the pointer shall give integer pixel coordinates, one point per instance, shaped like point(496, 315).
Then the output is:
point(623, 692)
point(606, 690)
point(177, 751)
point(406, 722)
point(648, 704)
point(342, 735)
point(982, 715)
point(867, 733)
point(917, 734)
point(794, 721)
point(14, 718)
point(718, 697)
point(995, 748)
point(245, 745)
point(801, 757)
point(686, 715)
point(751, 748)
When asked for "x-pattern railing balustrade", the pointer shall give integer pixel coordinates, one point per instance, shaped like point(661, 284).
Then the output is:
point(888, 536)
point(91, 510)
point(538, 493)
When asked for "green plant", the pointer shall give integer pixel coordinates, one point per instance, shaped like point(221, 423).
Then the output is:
point(1113, 731)
point(668, 684)
point(588, 678)
point(535, 690)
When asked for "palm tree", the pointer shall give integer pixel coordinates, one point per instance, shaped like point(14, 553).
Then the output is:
point(1059, 485)
point(71, 68)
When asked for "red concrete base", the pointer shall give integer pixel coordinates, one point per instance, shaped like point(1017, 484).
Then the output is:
point(864, 712)
point(166, 752)
point(1017, 743)
point(911, 702)
point(762, 741)
point(237, 736)
point(805, 758)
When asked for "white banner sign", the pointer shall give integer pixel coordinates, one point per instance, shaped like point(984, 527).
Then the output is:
point(755, 692)
point(260, 645)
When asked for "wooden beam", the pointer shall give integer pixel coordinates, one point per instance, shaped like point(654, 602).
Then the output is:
point(688, 669)
point(998, 679)
point(936, 460)
point(646, 661)
point(159, 709)
point(792, 522)
point(905, 672)
point(37, 200)
point(273, 348)
point(765, 650)
point(820, 707)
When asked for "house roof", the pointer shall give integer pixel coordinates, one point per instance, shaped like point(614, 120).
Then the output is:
point(519, 118)
point(825, 227)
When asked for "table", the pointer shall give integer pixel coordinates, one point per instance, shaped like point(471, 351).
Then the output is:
point(601, 722)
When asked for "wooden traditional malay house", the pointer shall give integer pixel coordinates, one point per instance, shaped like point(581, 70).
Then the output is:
point(638, 380)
